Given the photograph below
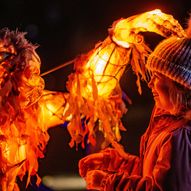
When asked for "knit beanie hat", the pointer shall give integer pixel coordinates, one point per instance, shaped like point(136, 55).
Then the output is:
point(172, 58)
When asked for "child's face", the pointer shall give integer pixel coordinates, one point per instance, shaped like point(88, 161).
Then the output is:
point(161, 87)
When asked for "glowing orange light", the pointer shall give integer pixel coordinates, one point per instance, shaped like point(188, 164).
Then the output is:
point(125, 31)
point(106, 63)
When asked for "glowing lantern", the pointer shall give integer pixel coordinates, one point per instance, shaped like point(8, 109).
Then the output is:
point(27, 110)
point(95, 93)
point(126, 31)
point(106, 64)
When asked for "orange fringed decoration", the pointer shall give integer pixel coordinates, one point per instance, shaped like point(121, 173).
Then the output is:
point(27, 111)
point(96, 95)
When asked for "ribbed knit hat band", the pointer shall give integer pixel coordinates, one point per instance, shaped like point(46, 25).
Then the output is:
point(172, 58)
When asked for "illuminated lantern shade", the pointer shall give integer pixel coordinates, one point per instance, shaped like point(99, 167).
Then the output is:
point(126, 31)
point(106, 64)
point(95, 93)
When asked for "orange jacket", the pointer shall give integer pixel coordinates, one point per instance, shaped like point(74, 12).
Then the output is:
point(164, 163)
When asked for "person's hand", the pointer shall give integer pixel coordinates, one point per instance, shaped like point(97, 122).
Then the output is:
point(90, 162)
point(108, 160)
point(94, 179)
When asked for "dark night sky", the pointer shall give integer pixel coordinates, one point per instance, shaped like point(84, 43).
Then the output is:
point(66, 28)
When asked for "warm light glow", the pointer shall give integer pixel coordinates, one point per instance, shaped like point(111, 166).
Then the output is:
point(101, 63)
point(125, 31)
point(121, 43)
point(52, 108)
point(14, 153)
point(105, 64)
point(99, 59)
point(156, 11)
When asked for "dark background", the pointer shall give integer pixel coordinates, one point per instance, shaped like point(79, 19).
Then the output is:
point(64, 29)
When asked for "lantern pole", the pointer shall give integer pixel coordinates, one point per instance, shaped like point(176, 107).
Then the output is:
point(58, 67)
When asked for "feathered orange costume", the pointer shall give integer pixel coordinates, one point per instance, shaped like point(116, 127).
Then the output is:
point(26, 113)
